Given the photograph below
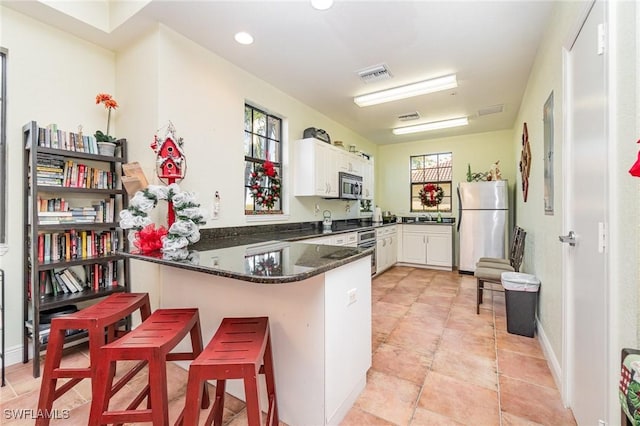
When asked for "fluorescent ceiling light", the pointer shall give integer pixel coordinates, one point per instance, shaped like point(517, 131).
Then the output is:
point(435, 125)
point(408, 91)
point(243, 38)
point(321, 4)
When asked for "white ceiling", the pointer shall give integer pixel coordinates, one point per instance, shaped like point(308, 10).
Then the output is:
point(314, 55)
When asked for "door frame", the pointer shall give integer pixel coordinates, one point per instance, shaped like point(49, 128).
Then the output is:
point(567, 152)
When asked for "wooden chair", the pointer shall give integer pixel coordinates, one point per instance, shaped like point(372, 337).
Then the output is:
point(240, 349)
point(151, 342)
point(101, 322)
point(489, 271)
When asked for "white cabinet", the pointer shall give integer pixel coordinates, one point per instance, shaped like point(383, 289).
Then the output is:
point(349, 239)
point(367, 179)
point(386, 250)
point(427, 245)
point(317, 165)
point(316, 171)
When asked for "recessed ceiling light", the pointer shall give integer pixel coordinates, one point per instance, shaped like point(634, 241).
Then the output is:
point(434, 125)
point(243, 38)
point(321, 4)
point(408, 91)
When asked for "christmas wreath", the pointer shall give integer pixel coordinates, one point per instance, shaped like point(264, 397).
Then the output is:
point(264, 185)
point(431, 195)
point(180, 234)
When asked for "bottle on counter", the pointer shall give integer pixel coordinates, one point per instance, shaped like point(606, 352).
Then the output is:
point(439, 220)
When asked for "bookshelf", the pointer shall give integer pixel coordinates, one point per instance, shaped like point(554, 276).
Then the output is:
point(72, 196)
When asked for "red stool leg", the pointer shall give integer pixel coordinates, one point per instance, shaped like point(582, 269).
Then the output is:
point(218, 406)
point(158, 388)
point(101, 394)
point(49, 380)
point(272, 414)
point(251, 395)
point(193, 401)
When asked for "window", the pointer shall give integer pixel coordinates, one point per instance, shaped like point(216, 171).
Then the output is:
point(262, 141)
point(431, 169)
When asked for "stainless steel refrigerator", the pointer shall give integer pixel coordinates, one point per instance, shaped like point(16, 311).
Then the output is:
point(483, 223)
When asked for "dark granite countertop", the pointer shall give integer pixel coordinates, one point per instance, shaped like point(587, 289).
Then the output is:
point(272, 262)
point(267, 254)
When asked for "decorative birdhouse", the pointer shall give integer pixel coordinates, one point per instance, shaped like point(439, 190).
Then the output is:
point(170, 158)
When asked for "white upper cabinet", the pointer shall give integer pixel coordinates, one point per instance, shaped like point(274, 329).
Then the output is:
point(317, 165)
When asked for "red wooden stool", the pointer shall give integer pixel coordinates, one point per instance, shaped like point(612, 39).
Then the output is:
point(97, 319)
point(237, 351)
point(151, 341)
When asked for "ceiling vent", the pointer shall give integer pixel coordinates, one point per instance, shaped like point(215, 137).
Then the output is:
point(375, 73)
point(409, 116)
point(490, 110)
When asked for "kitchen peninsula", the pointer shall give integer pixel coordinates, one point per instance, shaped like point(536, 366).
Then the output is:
point(318, 300)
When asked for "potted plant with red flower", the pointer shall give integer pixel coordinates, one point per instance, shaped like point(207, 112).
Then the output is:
point(106, 143)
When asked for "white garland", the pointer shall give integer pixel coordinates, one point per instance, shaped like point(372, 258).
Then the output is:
point(183, 231)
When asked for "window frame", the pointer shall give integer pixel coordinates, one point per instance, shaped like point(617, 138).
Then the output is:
point(4, 53)
point(444, 183)
point(250, 158)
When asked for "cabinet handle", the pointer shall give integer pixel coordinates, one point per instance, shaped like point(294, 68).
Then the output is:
point(424, 239)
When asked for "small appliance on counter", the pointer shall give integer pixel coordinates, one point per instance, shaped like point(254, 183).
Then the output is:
point(326, 221)
point(388, 217)
point(377, 215)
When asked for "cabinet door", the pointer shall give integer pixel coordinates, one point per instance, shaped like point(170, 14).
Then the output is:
point(381, 256)
point(330, 162)
point(439, 250)
point(414, 247)
point(392, 250)
point(367, 179)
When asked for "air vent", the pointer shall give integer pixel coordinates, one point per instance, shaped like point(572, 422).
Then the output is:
point(409, 116)
point(490, 110)
point(375, 73)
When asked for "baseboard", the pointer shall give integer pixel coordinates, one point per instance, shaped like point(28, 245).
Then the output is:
point(552, 360)
point(13, 355)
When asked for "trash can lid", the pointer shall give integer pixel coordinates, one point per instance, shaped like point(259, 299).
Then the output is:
point(519, 281)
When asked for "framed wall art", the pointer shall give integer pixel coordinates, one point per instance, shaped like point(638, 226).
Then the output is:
point(525, 162)
point(548, 155)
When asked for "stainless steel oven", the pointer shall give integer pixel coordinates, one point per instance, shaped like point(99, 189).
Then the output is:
point(367, 239)
point(350, 186)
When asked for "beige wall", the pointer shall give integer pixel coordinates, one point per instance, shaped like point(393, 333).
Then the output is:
point(543, 253)
point(480, 150)
point(53, 84)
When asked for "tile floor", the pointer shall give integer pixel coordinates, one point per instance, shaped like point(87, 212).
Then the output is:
point(435, 362)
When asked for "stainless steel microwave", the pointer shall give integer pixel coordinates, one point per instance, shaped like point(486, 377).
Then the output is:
point(350, 186)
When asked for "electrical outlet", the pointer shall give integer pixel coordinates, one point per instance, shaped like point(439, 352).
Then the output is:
point(352, 296)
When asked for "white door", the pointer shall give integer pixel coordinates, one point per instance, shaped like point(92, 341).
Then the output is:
point(585, 354)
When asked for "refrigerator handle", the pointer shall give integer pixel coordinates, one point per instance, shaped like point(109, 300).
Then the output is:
point(459, 208)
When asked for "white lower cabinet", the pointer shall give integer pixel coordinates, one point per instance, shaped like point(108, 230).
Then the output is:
point(386, 250)
point(349, 239)
point(427, 245)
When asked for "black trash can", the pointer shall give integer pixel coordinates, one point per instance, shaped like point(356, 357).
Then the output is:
point(521, 298)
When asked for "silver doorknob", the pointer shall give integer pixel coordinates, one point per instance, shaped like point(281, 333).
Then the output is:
point(570, 238)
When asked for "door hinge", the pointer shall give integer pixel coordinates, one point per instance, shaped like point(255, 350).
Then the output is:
point(602, 237)
point(601, 39)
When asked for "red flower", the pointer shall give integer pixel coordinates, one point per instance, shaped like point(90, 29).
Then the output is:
point(149, 239)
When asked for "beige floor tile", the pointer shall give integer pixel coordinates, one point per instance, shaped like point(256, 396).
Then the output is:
point(442, 394)
point(466, 367)
point(402, 363)
point(389, 397)
point(429, 347)
point(535, 403)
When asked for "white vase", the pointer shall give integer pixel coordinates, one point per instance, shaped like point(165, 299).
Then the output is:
point(107, 148)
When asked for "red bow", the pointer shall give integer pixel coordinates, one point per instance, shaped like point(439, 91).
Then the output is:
point(269, 170)
point(149, 239)
point(635, 169)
